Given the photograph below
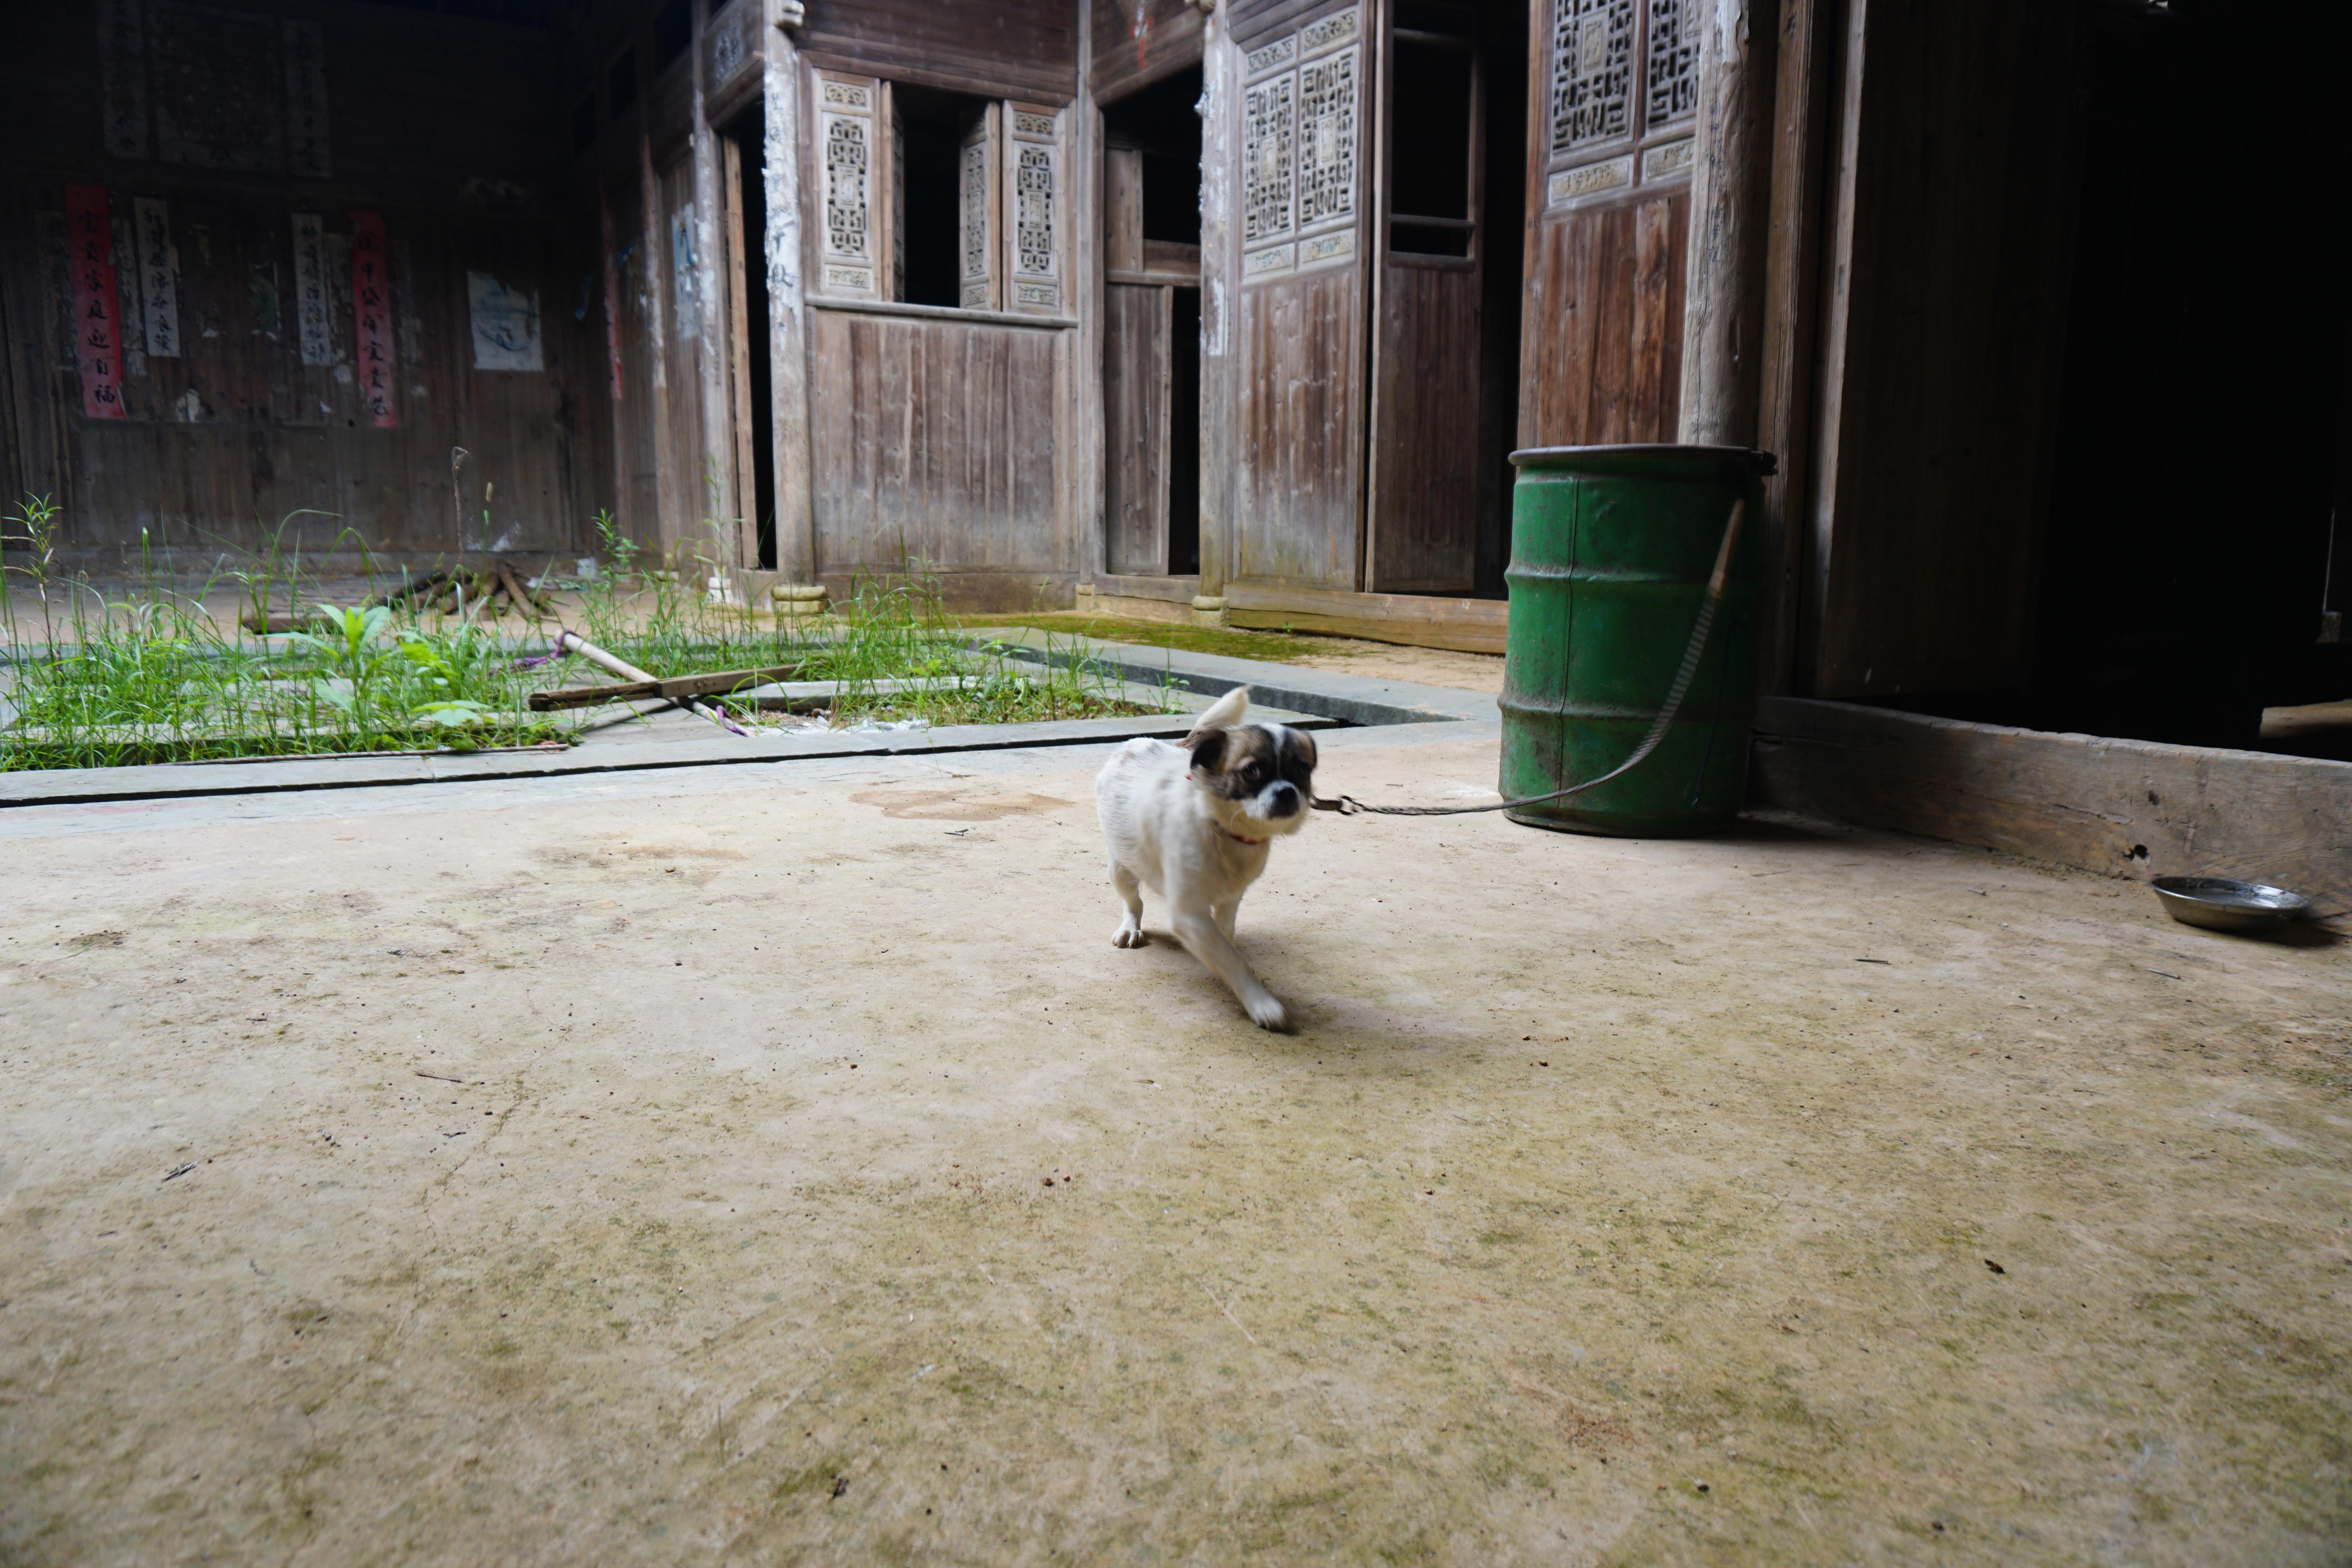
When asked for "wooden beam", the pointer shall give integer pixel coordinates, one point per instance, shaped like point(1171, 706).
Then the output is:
point(1792, 285)
point(2123, 808)
point(1723, 312)
point(1468, 625)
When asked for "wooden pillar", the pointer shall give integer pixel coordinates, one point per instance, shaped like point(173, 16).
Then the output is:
point(788, 369)
point(1801, 169)
point(1221, 76)
point(1089, 516)
point(655, 249)
point(714, 520)
point(1724, 317)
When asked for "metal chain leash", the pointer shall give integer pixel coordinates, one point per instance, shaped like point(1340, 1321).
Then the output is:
point(1349, 806)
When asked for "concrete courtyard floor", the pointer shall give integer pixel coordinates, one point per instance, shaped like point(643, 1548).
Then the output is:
point(776, 1164)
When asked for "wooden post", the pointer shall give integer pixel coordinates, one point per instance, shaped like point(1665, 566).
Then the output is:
point(1089, 517)
point(714, 484)
point(1221, 75)
point(779, 100)
point(656, 250)
point(1791, 273)
point(1724, 317)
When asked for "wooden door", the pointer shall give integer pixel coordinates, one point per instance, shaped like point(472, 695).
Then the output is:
point(1615, 85)
point(1302, 299)
point(1136, 320)
point(1423, 514)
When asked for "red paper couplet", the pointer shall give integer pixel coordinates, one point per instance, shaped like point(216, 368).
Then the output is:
point(612, 295)
point(371, 319)
point(97, 303)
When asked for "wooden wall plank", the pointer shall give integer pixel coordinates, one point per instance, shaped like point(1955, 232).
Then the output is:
point(936, 438)
point(1423, 527)
point(1946, 339)
point(1136, 373)
point(1602, 337)
point(443, 126)
point(1137, 42)
point(1301, 415)
point(1007, 49)
point(1792, 244)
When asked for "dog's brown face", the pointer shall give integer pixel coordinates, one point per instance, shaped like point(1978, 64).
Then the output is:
point(1260, 775)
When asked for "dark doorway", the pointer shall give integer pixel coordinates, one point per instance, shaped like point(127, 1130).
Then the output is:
point(1151, 350)
point(749, 135)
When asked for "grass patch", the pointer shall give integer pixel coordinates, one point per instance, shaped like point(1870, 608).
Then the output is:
point(149, 676)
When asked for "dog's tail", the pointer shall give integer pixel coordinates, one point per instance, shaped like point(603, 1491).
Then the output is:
point(1223, 714)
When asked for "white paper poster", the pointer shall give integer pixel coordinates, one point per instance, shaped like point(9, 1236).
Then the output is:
point(313, 326)
point(159, 277)
point(506, 324)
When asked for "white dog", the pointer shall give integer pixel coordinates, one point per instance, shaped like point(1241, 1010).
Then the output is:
point(1192, 823)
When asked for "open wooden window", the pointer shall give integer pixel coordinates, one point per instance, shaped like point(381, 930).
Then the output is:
point(933, 197)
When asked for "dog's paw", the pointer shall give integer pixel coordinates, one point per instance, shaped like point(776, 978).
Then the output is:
point(1130, 936)
point(1268, 1014)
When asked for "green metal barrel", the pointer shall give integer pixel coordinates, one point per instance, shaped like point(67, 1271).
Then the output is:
point(1610, 552)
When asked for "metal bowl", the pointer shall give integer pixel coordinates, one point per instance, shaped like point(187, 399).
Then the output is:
point(2217, 903)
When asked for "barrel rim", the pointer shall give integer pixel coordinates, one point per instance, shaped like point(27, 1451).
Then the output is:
point(1763, 462)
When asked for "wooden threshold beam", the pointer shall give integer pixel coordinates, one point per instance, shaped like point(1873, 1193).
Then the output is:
point(2124, 809)
point(1468, 625)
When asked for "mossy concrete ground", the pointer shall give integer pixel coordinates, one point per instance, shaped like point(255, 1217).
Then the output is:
point(780, 1165)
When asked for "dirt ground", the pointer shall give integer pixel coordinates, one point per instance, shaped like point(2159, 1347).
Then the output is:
point(779, 1166)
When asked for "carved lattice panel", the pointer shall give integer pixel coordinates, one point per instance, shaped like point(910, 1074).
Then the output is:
point(1326, 140)
point(972, 203)
point(1268, 118)
point(845, 143)
point(1591, 72)
point(1671, 71)
point(1034, 210)
point(1032, 221)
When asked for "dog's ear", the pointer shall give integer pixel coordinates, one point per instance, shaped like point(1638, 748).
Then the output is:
point(1209, 751)
point(1303, 745)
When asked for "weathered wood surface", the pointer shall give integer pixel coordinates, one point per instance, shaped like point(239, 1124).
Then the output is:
point(1723, 317)
point(1423, 520)
point(1945, 288)
point(1220, 275)
point(1471, 626)
point(1146, 585)
point(1006, 48)
point(935, 437)
point(1136, 433)
point(1255, 21)
point(1122, 214)
point(1602, 334)
point(787, 133)
point(439, 125)
point(1301, 413)
point(1792, 246)
point(1137, 42)
point(2125, 808)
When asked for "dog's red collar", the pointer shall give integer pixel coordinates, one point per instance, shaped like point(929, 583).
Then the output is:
point(1236, 836)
